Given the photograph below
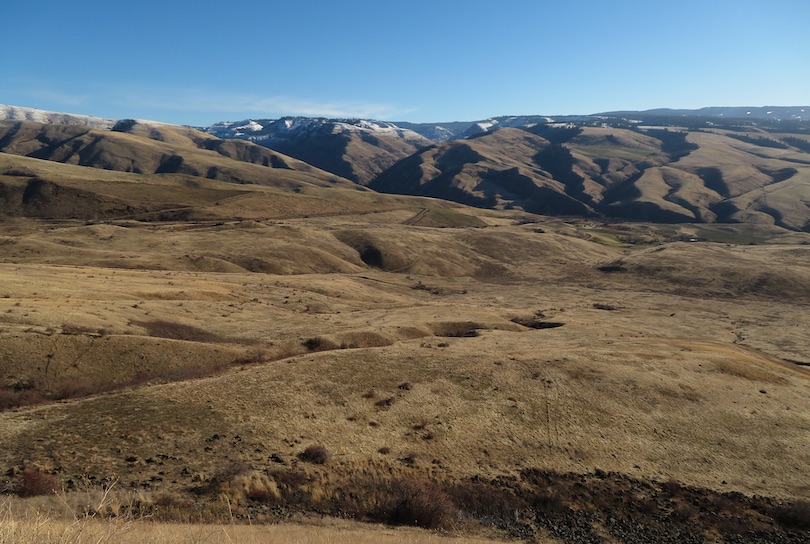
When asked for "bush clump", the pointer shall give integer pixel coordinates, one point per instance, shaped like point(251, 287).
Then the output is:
point(794, 516)
point(34, 483)
point(226, 474)
point(421, 504)
point(315, 453)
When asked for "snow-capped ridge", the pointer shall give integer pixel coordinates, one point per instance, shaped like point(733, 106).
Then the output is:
point(299, 127)
point(17, 113)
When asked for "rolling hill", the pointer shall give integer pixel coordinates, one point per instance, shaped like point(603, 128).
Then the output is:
point(278, 342)
point(260, 369)
point(144, 147)
point(644, 174)
point(716, 171)
point(354, 149)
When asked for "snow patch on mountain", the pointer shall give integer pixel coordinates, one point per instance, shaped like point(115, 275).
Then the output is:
point(438, 133)
point(252, 126)
point(17, 113)
point(263, 130)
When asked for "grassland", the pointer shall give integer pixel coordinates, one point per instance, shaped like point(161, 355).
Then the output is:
point(346, 355)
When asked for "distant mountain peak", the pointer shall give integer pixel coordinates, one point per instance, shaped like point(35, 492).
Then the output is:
point(774, 113)
point(263, 129)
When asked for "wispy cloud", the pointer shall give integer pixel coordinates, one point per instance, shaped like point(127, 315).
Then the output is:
point(57, 97)
point(218, 103)
point(33, 91)
point(201, 104)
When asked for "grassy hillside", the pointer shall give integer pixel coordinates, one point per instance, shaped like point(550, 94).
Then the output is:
point(502, 371)
point(50, 190)
point(668, 175)
point(161, 149)
point(222, 352)
point(352, 155)
point(648, 174)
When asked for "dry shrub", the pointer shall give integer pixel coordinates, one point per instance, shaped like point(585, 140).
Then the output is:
point(419, 503)
point(262, 495)
point(672, 488)
point(793, 516)
point(76, 387)
point(363, 339)
point(13, 398)
point(34, 483)
point(684, 512)
point(409, 459)
point(9, 398)
point(646, 506)
point(407, 501)
point(289, 479)
point(548, 501)
point(254, 357)
point(83, 387)
point(294, 488)
point(486, 502)
point(315, 453)
point(18, 172)
point(419, 286)
point(456, 329)
point(226, 473)
point(165, 500)
point(189, 372)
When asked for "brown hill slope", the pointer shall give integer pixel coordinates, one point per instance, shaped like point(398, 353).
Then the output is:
point(224, 350)
point(496, 170)
point(758, 182)
point(655, 175)
point(51, 190)
point(150, 148)
point(352, 148)
point(356, 156)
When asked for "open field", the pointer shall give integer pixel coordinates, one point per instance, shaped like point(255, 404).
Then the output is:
point(230, 354)
point(456, 356)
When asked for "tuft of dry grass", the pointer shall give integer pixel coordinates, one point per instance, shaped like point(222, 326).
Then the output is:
point(39, 529)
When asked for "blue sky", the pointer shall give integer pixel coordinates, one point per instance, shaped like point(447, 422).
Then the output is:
point(198, 62)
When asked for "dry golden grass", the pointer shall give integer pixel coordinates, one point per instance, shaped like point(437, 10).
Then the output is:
point(41, 529)
point(604, 365)
point(106, 515)
point(708, 177)
point(148, 149)
point(211, 356)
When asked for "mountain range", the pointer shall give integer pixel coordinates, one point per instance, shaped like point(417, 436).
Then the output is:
point(708, 165)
